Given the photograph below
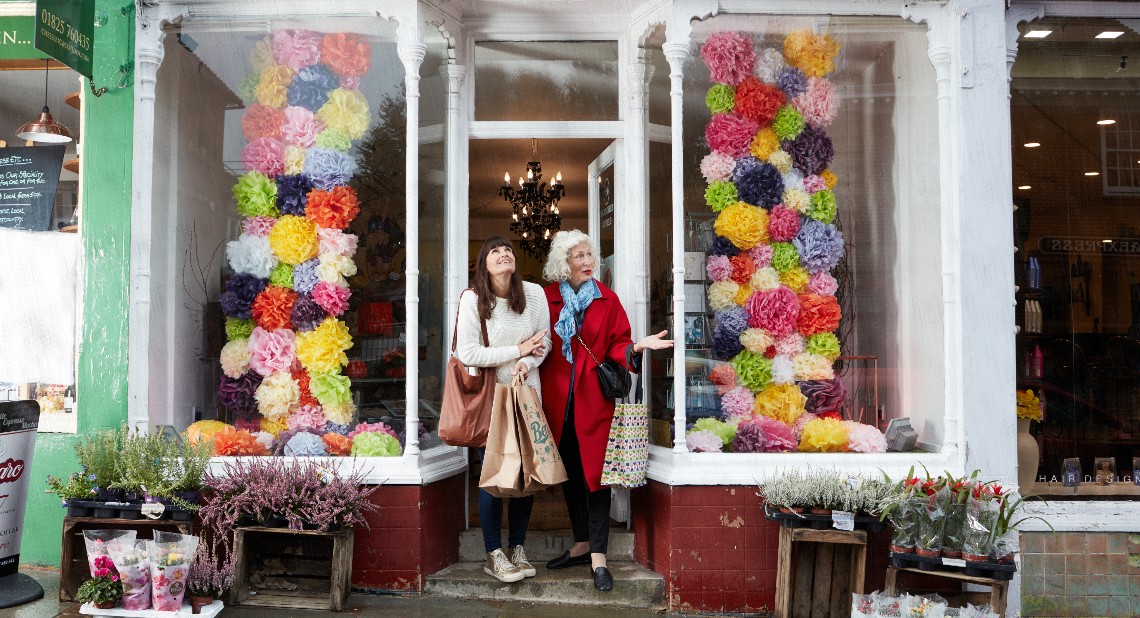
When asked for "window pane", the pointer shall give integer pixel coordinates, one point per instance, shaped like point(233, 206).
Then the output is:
point(546, 80)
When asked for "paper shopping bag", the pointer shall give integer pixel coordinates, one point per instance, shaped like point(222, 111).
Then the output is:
point(502, 474)
point(542, 464)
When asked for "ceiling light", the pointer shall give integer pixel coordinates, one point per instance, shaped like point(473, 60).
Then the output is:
point(1038, 34)
point(1032, 144)
point(1092, 173)
point(1107, 240)
point(1025, 187)
point(1106, 121)
point(44, 129)
point(1109, 34)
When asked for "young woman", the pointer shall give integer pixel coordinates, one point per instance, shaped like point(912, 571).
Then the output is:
point(518, 325)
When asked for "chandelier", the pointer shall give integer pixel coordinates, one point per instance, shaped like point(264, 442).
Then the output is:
point(534, 206)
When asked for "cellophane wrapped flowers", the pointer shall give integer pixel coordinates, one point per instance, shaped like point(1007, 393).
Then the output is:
point(282, 365)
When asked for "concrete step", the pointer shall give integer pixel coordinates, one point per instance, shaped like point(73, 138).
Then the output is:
point(634, 586)
point(544, 545)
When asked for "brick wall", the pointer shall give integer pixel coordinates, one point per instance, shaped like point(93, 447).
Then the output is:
point(1080, 574)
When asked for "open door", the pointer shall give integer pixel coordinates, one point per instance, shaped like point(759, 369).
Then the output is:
point(605, 192)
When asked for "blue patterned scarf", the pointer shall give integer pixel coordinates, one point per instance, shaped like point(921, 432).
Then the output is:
point(573, 304)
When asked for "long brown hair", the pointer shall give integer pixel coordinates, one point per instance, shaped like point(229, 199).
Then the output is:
point(516, 297)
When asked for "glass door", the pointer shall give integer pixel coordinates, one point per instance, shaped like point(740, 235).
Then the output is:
point(604, 195)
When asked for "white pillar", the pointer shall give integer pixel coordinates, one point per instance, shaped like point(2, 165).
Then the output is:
point(675, 53)
point(412, 54)
point(633, 248)
point(455, 263)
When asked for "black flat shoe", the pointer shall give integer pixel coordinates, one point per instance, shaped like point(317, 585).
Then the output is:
point(566, 560)
point(603, 581)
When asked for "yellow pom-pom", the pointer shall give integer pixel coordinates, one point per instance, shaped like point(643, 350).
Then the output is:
point(829, 179)
point(742, 294)
point(722, 295)
point(781, 160)
point(814, 54)
point(322, 350)
point(743, 224)
point(340, 413)
point(764, 143)
point(797, 200)
point(812, 367)
point(275, 426)
point(783, 402)
point(203, 430)
point(294, 159)
point(347, 112)
point(294, 239)
point(765, 279)
point(795, 278)
point(276, 395)
point(271, 88)
point(824, 435)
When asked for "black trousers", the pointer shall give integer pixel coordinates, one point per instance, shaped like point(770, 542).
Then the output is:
point(589, 510)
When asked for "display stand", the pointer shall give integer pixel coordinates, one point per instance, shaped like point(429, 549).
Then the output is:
point(208, 611)
point(829, 568)
point(73, 567)
point(301, 569)
point(18, 589)
point(998, 588)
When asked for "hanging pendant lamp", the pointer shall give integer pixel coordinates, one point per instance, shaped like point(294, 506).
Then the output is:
point(45, 129)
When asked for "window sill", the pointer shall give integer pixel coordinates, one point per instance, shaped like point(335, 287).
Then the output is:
point(1081, 516)
point(434, 464)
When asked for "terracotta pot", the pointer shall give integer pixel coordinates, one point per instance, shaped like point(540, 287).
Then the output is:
point(951, 554)
point(1006, 559)
point(898, 549)
point(105, 604)
point(927, 553)
point(820, 511)
point(975, 558)
point(197, 603)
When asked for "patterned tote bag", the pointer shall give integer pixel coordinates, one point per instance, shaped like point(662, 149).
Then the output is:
point(627, 451)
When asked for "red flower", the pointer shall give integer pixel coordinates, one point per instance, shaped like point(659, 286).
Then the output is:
point(770, 351)
point(758, 101)
point(818, 314)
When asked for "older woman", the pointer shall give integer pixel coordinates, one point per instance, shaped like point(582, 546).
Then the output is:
point(589, 323)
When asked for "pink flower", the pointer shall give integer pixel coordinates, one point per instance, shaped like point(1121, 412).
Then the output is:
point(306, 417)
point(271, 351)
point(114, 578)
point(790, 344)
point(296, 49)
point(729, 56)
point(779, 437)
point(718, 267)
point(774, 310)
point(717, 166)
point(258, 226)
point(762, 255)
point(368, 427)
point(783, 224)
point(737, 402)
point(331, 297)
point(814, 184)
point(823, 283)
point(337, 242)
point(819, 104)
point(265, 155)
point(730, 134)
point(301, 127)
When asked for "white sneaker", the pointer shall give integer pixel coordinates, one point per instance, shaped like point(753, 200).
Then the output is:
point(499, 567)
point(518, 558)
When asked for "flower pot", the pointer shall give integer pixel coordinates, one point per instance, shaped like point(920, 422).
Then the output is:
point(949, 553)
point(928, 553)
point(129, 514)
point(820, 511)
point(1006, 559)
point(274, 522)
point(109, 495)
point(1028, 454)
point(975, 558)
point(132, 496)
point(104, 513)
point(77, 511)
point(190, 497)
point(104, 604)
point(899, 549)
point(197, 603)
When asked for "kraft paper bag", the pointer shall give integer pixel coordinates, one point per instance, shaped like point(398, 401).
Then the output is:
point(502, 474)
point(542, 463)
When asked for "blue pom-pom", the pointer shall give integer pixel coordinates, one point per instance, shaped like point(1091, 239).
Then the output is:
point(311, 86)
point(725, 344)
point(305, 445)
point(820, 245)
point(792, 81)
point(733, 321)
point(327, 168)
point(292, 194)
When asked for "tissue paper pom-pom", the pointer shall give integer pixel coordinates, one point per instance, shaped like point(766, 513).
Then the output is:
point(790, 344)
point(784, 256)
point(252, 255)
point(203, 431)
point(282, 276)
point(782, 161)
point(719, 194)
point(322, 349)
point(729, 56)
point(273, 307)
point(276, 395)
point(742, 268)
point(330, 389)
point(814, 183)
point(306, 398)
point(248, 86)
point(372, 428)
point(756, 340)
point(792, 81)
point(272, 86)
point(333, 209)
point(797, 200)
point(294, 160)
point(306, 417)
point(722, 430)
point(305, 276)
point(717, 166)
point(745, 226)
point(292, 194)
point(725, 345)
point(752, 370)
point(788, 123)
point(703, 441)
point(237, 300)
point(793, 179)
point(864, 438)
point(820, 245)
point(819, 104)
point(764, 143)
point(333, 139)
point(823, 206)
point(261, 55)
point(774, 310)
point(812, 367)
point(311, 87)
point(783, 224)
point(812, 151)
point(801, 422)
point(824, 435)
point(758, 101)
point(814, 54)
point(818, 314)
point(296, 49)
point(779, 437)
point(721, 294)
point(730, 134)
point(334, 268)
point(376, 444)
point(783, 371)
point(340, 415)
point(307, 314)
point(336, 242)
point(231, 442)
point(823, 283)
point(795, 279)
point(346, 54)
point(272, 427)
point(305, 445)
point(783, 402)
point(761, 255)
point(347, 112)
point(238, 393)
point(265, 155)
point(829, 179)
point(737, 402)
point(824, 395)
point(337, 444)
point(294, 239)
point(238, 328)
point(258, 226)
point(235, 358)
point(722, 374)
point(720, 99)
point(331, 297)
point(339, 428)
point(758, 183)
point(260, 121)
point(256, 195)
point(719, 267)
point(742, 294)
point(723, 246)
point(769, 64)
point(749, 438)
point(300, 127)
point(271, 351)
point(733, 320)
point(328, 169)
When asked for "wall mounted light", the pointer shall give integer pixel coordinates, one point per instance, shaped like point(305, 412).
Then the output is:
point(1092, 173)
point(45, 129)
point(1109, 34)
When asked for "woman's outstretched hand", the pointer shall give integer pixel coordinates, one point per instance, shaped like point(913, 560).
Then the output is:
point(653, 342)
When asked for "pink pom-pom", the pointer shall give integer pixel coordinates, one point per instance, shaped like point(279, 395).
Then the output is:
point(864, 438)
point(265, 155)
point(814, 184)
point(306, 417)
point(819, 104)
point(271, 351)
point(703, 442)
point(729, 56)
point(783, 224)
point(350, 82)
point(301, 127)
point(336, 242)
point(724, 377)
point(737, 402)
point(296, 49)
point(730, 134)
point(331, 297)
point(790, 345)
point(823, 283)
point(801, 421)
point(779, 437)
point(762, 255)
point(369, 427)
point(775, 310)
point(719, 267)
point(717, 166)
point(258, 226)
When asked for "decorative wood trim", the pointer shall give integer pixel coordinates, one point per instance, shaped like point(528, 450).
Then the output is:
point(545, 129)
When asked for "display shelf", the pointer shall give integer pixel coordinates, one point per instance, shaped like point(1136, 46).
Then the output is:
point(1120, 488)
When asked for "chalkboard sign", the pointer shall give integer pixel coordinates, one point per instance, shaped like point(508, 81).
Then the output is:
point(28, 178)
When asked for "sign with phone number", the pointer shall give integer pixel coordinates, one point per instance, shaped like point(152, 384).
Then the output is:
point(1068, 244)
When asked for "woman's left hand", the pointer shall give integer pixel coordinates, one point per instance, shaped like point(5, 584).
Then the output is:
point(521, 369)
point(653, 342)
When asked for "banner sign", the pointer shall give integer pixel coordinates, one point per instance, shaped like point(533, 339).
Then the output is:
point(18, 423)
point(16, 38)
point(65, 30)
point(1072, 244)
point(28, 179)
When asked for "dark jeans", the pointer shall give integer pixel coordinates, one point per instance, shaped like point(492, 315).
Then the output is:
point(589, 510)
point(491, 517)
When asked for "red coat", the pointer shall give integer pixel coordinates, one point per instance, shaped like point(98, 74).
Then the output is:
point(605, 329)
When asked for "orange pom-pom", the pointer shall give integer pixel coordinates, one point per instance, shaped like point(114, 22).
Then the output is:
point(345, 54)
point(759, 101)
point(742, 268)
point(273, 307)
point(332, 209)
point(818, 314)
point(237, 443)
point(262, 121)
point(302, 379)
point(337, 444)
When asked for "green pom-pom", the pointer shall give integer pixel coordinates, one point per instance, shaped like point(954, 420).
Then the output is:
point(719, 194)
point(721, 99)
point(823, 207)
point(256, 195)
point(725, 431)
point(333, 139)
point(246, 87)
point(784, 256)
point(376, 444)
point(788, 123)
point(331, 389)
point(753, 371)
point(823, 344)
point(238, 329)
point(282, 276)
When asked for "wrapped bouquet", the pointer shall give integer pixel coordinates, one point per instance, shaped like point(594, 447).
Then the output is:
point(170, 555)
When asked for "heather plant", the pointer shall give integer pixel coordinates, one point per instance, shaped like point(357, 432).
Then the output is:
point(211, 574)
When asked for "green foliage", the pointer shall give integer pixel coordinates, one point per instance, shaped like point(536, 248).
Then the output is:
point(160, 466)
point(98, 452)
point(99, 590)
point(79, 486)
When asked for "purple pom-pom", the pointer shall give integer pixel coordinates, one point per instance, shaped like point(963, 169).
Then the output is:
point(758, 183)
point(725, 345)
point(292, 194)
point(328, 168)
point(423, 433)
point(733, 321)
point(749, 438)
point(820, 246)
point(724, 246)
point(241, 289)
point(305, 276)
point(811, 151)
point(307, 314)
point(823, 395)
point(238, 393)
point(311, 86)
point(792, 81)
point(344, 430)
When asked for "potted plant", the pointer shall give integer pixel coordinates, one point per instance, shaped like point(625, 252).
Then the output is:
point(1005, 527)
point(958, 493)
point(79, 486)
point(209, 577)
point(98, 452)
point(982, 510)
point(103, 589)
point(139, 465)
point(901, 508)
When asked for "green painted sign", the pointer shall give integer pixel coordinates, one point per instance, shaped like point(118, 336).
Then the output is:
point(65, 30)
point(16, 38)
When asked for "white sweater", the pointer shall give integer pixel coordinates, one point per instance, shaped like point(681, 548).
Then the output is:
point(505, 330)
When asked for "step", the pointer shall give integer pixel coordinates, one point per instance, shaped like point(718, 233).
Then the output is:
point(634, 586)
point(544, 545)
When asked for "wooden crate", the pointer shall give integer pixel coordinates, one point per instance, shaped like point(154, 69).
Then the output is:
point(73, 567)
point(817, 572)
point(300, 569)
point(999, 589)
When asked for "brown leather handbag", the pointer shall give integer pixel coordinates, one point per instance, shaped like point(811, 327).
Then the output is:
point(465, 415)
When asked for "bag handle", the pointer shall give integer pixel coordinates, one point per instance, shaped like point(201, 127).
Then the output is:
point(636, 392)
point(455, 327)
point(579, 338)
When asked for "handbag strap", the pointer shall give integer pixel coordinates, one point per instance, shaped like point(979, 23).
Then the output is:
point(455, 327)
point(579, 338)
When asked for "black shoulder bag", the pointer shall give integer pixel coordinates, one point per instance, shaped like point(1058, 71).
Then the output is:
point(614, 378)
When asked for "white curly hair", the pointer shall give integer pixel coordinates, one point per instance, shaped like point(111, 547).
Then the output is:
point(558, 260)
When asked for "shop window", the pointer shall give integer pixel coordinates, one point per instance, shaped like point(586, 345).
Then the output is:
point(546, 80)
point(1075, 148)
point(886, 282)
